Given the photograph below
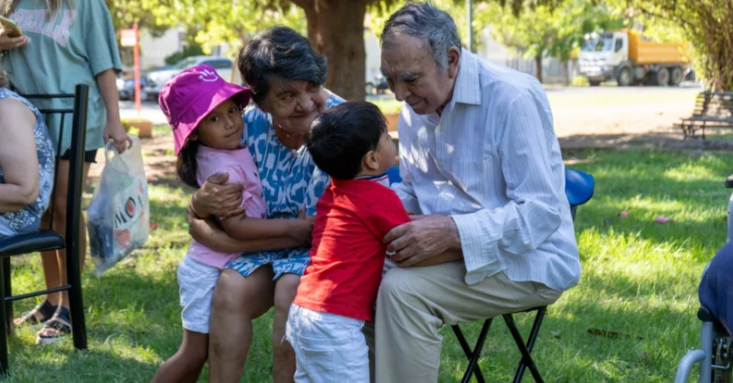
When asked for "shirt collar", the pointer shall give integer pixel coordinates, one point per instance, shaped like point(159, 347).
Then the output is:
point(468, 88)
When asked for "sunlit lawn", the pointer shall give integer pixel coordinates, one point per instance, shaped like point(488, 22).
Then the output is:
point(639, 279)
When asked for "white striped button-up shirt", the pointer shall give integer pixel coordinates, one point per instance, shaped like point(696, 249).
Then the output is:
point(492, 162)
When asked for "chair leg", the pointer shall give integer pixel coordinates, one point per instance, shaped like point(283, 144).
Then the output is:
point(76, 304)
point(474, 355)
point(8, 292)
point(3, 330)
point(526, 349)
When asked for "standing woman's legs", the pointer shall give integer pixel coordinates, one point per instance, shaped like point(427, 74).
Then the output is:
point(283, 356)
point(54, 262)
point(237, 301)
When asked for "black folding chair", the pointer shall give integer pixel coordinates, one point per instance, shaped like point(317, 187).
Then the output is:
point(579, 190)
point(47, 239)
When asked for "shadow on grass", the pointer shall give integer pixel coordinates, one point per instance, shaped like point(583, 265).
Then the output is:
point(689, 191)
point(565, 350)
point(668, 140)
point(95, 365)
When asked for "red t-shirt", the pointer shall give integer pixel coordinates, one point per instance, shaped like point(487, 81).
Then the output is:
point(348, 252)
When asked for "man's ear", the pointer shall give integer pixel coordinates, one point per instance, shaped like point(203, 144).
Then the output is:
point(454, 59)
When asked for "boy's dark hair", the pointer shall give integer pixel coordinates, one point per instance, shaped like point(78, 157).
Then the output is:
point(186, 164)
point(342, 135)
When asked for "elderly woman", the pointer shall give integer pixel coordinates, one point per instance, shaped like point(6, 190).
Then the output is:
point(286, 77)
point(25, 148)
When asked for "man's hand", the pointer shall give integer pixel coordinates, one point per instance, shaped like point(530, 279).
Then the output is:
point(115, 132)
point(215, 197)
point(7, 43)
point(423, 238)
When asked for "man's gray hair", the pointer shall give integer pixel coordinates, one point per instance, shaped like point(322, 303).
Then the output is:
point(426, 22)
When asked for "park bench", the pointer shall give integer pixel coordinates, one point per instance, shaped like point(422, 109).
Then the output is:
point(713, 110)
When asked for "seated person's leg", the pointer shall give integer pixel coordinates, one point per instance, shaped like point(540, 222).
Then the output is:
point(237, 301)
point(288, 268)
point(414, 303)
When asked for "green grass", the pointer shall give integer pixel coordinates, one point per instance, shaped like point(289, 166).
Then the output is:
point(639, 278)
point(388, 105)
point(162, 130)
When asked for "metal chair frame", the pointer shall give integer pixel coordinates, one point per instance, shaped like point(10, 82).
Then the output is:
point(47, 239)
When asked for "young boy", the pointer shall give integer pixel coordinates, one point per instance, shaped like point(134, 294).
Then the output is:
point(339, 288)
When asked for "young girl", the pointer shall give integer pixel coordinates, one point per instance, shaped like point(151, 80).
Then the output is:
point(205, 113)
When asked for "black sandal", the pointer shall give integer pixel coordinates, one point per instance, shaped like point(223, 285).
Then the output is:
point(56, 328)
point(45, 308)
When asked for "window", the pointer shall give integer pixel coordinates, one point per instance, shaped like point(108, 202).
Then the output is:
point(619, 44)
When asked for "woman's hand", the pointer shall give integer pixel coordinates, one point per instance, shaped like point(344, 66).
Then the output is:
point(197, 227)
point(216, 197)
point(115, 132)
point(7, 43)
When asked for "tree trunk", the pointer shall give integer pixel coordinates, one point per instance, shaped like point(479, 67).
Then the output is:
point(336, 29)
point(538, 66)
point(566, 70)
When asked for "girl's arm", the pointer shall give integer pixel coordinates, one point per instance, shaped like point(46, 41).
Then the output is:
point(210, 235)
point(244, 228)
point(18, 158)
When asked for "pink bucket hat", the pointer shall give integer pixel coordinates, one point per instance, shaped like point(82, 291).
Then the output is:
point(191, 95)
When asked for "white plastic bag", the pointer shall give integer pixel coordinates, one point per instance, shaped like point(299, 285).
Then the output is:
point(119, 214)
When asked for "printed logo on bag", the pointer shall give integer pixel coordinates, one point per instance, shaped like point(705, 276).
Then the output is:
point(136, 197)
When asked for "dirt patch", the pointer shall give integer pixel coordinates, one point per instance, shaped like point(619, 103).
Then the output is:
point(160, 162)
point(649, 140)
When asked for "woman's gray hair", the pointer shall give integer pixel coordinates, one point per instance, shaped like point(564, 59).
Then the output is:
point(426, 22)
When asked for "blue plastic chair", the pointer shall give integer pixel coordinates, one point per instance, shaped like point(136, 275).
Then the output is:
point(578, 185)
point(579, 188)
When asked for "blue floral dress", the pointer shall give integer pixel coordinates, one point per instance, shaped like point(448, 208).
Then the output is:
point(28, 219)
point(290, 182)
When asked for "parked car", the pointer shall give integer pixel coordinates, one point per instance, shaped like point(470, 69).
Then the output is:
point(126, 88)
point(376, 84)
point(155, 80)
point(126, 84)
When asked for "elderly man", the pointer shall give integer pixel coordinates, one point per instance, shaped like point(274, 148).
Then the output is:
point(481, 166)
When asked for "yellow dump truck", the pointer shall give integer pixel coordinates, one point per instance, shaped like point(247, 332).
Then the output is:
point(624, 56)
